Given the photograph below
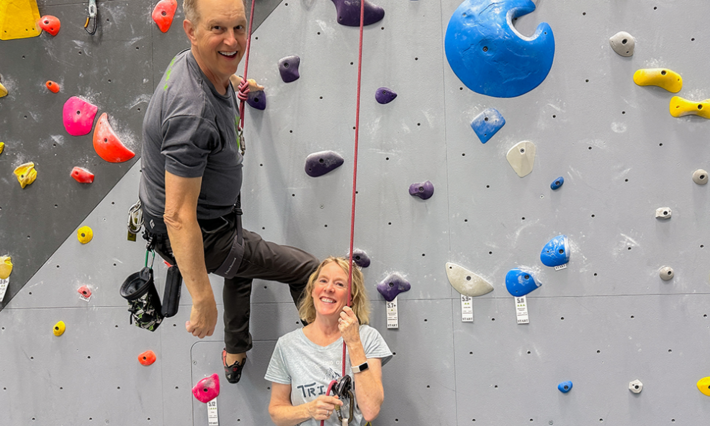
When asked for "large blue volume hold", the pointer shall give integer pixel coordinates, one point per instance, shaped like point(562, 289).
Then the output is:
point(487, 124)
point(489, 56)
point(519, 282)
point(555, 252)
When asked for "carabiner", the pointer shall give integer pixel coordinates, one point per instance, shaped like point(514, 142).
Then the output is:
point(346, 420)
point(240, 141)
point(93, 11)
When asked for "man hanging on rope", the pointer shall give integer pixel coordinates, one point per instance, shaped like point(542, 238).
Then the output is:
point(192, 175)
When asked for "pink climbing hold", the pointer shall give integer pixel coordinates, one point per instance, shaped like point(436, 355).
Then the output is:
point(84, 293)
point(163, 14)
point(78, 116)
point(107, 144)
point(207, 389)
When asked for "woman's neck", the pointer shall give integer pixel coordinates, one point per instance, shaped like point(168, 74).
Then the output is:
point(322, 331)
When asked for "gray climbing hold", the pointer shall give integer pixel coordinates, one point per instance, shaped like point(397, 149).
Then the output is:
point(288, 67)
point(623, 43)
point(349, 13)
point(666, 273)
point(257, 100)
point(320, 163)
point(361, 258)
point(700, 177)
point(663, 213)
point(384, 95)
point(636, 386)
point(391, 286)
point(466, 282)
point(423, 190)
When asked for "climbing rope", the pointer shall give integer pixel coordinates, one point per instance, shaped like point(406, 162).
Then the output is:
point(246, 69)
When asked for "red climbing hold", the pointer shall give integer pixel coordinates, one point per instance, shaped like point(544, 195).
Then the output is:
point(107, 144)
point(163, 14)
point(82, 175)
point(50, 24)
point(207, 389)
point(52, 86)
point(84, 293)
point(146, 358)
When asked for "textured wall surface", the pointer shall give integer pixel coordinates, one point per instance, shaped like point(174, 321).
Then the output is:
point(604, 321)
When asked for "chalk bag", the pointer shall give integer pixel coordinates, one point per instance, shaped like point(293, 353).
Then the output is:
point(143, 300)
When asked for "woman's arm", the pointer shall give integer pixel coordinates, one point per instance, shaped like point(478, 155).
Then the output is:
point(283, 413)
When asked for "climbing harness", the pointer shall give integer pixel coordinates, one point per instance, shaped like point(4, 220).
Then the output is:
point(135, 220)
point(240, 125)
point(93, 12)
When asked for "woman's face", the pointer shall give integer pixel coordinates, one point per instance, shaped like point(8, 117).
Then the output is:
point(330, 292)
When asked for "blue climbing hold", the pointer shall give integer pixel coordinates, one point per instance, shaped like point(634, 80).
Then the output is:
point(320, 163)
point(492, 58)
point(391, 286)
point(257, 100)
point(487, 124)
point(565, 387)
point(519, 282)
point(557, 183)
point(555, 252)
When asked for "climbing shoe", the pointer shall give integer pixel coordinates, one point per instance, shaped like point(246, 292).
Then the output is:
point(232, 372)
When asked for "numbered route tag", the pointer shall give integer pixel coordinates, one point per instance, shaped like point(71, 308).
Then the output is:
point(560, 267)
point(392, 314)
point(212, 414)
point(3, 287)
point(521, 310)
point(466, 308)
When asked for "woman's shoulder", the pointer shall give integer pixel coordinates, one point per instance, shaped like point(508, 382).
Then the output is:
point(292, 337)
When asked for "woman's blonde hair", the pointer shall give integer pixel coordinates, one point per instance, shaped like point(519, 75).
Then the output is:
point(360, 302)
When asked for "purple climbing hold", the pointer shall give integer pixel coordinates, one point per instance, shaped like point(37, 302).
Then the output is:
point(320, 163)
point(423, 190)
point(391, 286)
point(361, 258)
point(385, 95)
point(349, 12)
point(257, 100)
point(288, 67)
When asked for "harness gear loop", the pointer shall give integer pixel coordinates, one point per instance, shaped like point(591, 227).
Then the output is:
point(93, 12)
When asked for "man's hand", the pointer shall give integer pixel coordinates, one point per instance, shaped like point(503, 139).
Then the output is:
point(203, 319)
point(244, 87)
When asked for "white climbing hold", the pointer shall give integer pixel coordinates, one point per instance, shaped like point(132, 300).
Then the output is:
point(623, 43)
point(663, 213)
point(466, 282)
point(636, 386)
point(666, 273)
point(521, 158)
point(700, 177)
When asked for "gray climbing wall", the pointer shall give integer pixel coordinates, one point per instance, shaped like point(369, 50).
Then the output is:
point(604, 321)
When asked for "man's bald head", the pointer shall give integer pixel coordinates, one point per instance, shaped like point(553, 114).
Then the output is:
point(189, 7)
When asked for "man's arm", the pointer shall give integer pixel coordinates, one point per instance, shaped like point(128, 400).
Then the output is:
point(181, 195)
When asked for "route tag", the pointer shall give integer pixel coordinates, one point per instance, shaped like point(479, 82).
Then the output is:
point(521, 310)
point(3, 287)
point(392, 314)
point(466, 308)
point(561, 267)
point(212, 414)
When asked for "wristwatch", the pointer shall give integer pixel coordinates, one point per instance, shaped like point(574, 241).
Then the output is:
point(360, 368)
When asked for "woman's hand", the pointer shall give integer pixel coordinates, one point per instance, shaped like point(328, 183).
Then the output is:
point(322, 407)
point(349, 326)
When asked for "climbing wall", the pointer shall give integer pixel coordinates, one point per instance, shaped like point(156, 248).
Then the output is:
point(604, 321)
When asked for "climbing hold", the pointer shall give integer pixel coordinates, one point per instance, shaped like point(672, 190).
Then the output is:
point(384, 95)
point(663, 213)
point(700, 176)
point(423, 190)
point(565, 387)
point(623, 43)
point(704, 385)
point(288, 67)
point(391, 286)
point(85, 234)
point(2, 147)
point(555, 252)
point(660, 77)
point(52, 86)
point(148, 357)
point(519, 282)
point(26, 174)
point(207, 389)
point(487, 123)
point(107, 144)
point(257, 99)
point(636, 386)
point(78, 116)
point(320, 163)
point(680, 107)
point(521, 158)
point(84, 293)
point(557, 183)
point(490, 56)
point(163, 14)
point(666, 273)
point(82, 175)
point(50, 24)
point(349, 13)
point(18, 19)
point(466, 282)
point(361, 258)
point(5, 267)
point(59, 328)
point(3, 91)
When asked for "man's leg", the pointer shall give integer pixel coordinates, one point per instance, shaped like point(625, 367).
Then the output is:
point(236, 296)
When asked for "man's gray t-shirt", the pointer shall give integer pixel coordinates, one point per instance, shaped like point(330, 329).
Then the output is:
point(310, 368)
point(189, 130)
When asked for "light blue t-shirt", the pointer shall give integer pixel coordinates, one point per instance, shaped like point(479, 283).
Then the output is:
point(310, 368)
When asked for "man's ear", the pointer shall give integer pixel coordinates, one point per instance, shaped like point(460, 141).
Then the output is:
point(189, 30)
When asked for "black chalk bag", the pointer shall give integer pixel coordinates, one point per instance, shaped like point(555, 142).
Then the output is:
point(143, 300)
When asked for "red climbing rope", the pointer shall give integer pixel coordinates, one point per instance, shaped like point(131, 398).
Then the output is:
point(246, 65)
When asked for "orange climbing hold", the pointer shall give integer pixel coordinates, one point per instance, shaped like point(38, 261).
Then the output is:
point(107, 144)
point(52, 86)
point(50, 24)
point(26, 174)
point(163, 14)
point(147, 358)
point(82, 175)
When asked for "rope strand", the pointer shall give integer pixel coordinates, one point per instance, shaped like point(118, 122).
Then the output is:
point(246, 65)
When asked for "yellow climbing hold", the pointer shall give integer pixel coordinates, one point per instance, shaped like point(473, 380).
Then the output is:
point(3, 91)
point(18, 19)
point(704, 385)
point(2, 147)
point(84, 234)
point(59, 328)
point(5, 267)
point(661, 77)
point(26, 174)
point(680, 107)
